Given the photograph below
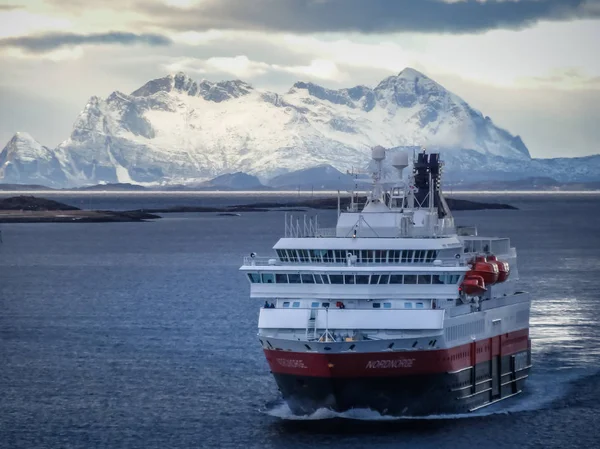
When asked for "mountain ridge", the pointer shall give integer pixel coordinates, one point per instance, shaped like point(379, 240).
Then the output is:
point(175, 130)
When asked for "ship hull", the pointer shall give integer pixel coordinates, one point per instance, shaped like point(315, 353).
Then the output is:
point(403, 389)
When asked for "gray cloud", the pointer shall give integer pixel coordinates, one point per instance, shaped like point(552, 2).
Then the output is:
point(372, 16)
point(42, 43)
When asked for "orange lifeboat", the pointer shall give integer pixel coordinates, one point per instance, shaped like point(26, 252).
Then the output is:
point(473, 285)
point(503, 268)
point(487, 270)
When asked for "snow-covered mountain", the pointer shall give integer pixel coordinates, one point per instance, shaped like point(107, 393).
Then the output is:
point(177, 130)
point(25, 161)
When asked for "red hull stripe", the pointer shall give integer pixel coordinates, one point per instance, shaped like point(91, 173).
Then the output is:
point(391, 363)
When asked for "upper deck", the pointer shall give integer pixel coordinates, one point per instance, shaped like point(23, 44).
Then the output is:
point(396, 265)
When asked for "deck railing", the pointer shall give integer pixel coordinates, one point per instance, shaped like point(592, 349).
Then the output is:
point(274, 261)
point(308, 227)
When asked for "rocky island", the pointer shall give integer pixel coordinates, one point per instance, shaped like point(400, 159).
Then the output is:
point(30, 209)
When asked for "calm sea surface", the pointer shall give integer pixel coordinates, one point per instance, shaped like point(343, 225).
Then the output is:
point(142, 335)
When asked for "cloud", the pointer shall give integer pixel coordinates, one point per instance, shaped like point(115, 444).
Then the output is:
point(373, 16)
point(243, 67)
point(43, 43)
point(568, 78)
point(9, 7)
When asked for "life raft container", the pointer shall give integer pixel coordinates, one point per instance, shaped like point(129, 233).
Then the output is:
point(487, 270)
point(473, 285)
point(503, 268)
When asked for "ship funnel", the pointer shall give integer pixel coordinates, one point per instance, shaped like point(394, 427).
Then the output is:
point(400, 162)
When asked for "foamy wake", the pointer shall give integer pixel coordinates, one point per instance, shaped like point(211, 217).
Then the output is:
point(541, 391)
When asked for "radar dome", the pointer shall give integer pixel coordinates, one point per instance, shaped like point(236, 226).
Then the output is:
point(400, 160)
point(378, 153)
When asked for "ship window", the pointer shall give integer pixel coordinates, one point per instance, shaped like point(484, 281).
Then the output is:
point(432, 256)
point(396, 279)
point(294, 278)
point(387, 305)
point(407, 256)
point(325, 278)
point(362, 278)
point(292, 255)
point(379, 256)
point(374, 278)
point(419, 305)
point(365, 256)
point(438, 278)
point(424, 279)
point(308, 279)
point(376, 305)
point(384, 278)
point(395, 256)
point(254, 278)
point(314, 304)
point(336, 278)
point(326, 304)
point(340, 255)
point(316, 255)
point(303, 255)
point(282, 255)
point(410, 278)
point(348, 279)
point(286, 304)
point(408, 305)
point(318, 279)
point(328, 257)
point(281, 278)
point(268, 278)
point(419, 256)
point(296, 304)
point(455, 278)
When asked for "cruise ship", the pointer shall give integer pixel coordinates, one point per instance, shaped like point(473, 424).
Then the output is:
point(395, 309)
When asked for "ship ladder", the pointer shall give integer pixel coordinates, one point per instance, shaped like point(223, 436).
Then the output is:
point(311, 326)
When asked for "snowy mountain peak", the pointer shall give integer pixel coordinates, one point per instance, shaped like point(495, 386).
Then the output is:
point(411, 87)
point(411, 74)
point(23, 140)
point(25, 161)
point(182, 83)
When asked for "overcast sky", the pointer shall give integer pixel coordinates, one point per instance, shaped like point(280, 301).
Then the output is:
point(531, 65)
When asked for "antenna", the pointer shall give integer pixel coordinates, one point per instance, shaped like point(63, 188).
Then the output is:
point(378, 155)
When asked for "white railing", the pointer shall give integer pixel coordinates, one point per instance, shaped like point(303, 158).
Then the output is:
point(326, 232)
point(308, 227)
point(274, 261)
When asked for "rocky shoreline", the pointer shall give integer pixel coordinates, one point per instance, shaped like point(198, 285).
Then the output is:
point(30, 209)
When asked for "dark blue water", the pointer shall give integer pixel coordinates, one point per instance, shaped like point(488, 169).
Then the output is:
point(142, 335)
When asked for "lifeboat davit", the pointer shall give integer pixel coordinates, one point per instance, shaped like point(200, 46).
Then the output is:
point(487, 270)
point(503, 268)
point(473, 285)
